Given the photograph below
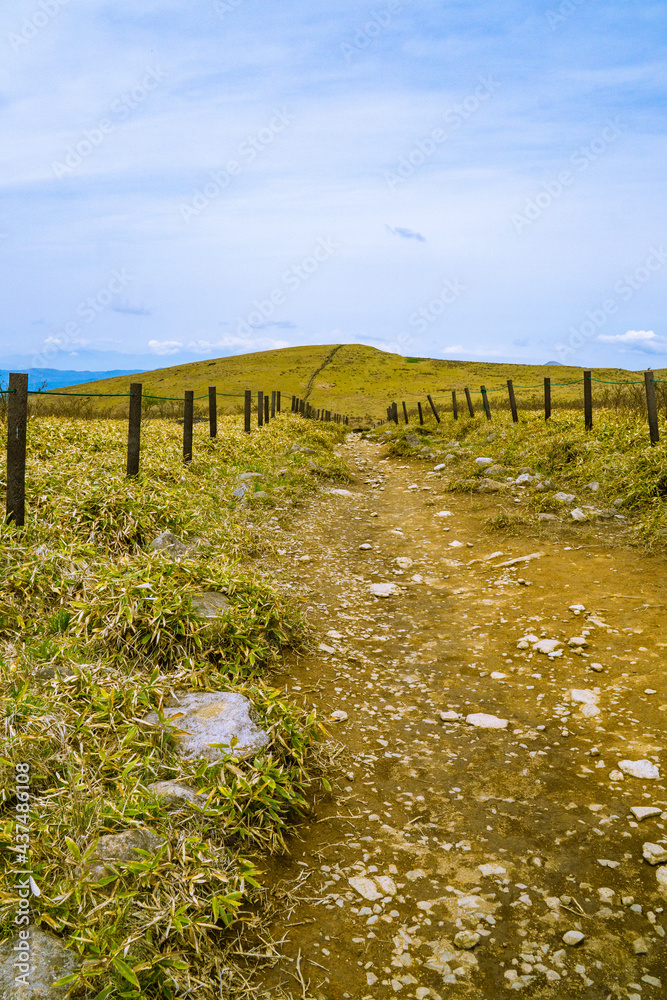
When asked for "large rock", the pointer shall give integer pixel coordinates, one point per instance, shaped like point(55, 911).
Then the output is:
point(171, 793)
point(47, 961)
point(120, 847)
point(213, 717)
point(640, 769)
point(174, 548)
point(384, 590)
point(210, 604)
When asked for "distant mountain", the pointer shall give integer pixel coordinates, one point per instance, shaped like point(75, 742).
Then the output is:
point(51, 378)
point(559, 363)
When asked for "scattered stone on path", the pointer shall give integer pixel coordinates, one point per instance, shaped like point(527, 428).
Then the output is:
point(490, 486)
point(492, 869)
point(483, 461)
point(466, 939)
point(547, 646)
point(403, 562)
point(120, 847)
point(210, 604)
point(47, 961)
point(573, 937)
point(174, 548)
point(655, 854)
point(661, 875)
point(365, 546)
point(645, 812)
point(639, 769)
point(640, 946)
point(172, 793)
point(578, 514)
point(564, 497)
point(203, 719)
point(339, 715)
point(341, 492)
point(366, 887)
point(482, 721)
point(577, 640)
point(577, 608)
point(384, 589)
point(449, 716)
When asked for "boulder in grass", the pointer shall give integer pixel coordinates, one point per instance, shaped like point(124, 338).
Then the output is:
point(202, 720)
point(47, 961)
point(174, 794)
point(120, 847)
point(210, 604)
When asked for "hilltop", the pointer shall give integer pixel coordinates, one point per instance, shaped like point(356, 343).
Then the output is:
point(351, 378)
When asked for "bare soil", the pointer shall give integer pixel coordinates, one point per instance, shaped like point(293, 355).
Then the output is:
point(425, 803)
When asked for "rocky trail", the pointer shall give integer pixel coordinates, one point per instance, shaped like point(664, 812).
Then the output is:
point(501, 817)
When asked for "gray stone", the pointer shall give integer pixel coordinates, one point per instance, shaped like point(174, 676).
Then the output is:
point(412, 440)
point(564, 497)
point(495, 470)
point(483, 461)
point(48, 962)
point(573, 937)
point(214, 717)
point(120, 847)
point(251, 475)
point(482, 721)
point(50, 673)
point(645, 812)
point(210, 604)
point(547, 646)
point(174, 548)
point(258, 495)
point(654, 853)
point(640, 769)
point(466, 940)
point(489, 486)
point(171, 793)
point(384, 590)
point(303, 448)
point(640, 946)
point(240, 491)
point(577, 514)
point(547, 517)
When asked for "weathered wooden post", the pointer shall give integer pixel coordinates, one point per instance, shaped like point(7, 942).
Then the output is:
point(134, 429)
point(260, 409)
point(432, 405)
point(485, 402)
point(588, 402)
point(273, 404)
point(547, 398)
point(266, 408)
point(188, 419)
point(17, 430)
point(278, 401)
point(302, 406)
point(389, 413)
point(421, 415)
point(510, 389)
point(471, 408)
point(405, 413)
point(652, 407)
point(455, 408)
point(247, 410)
point(212, 411)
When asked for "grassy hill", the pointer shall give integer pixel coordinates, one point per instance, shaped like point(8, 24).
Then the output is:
point(354, 379)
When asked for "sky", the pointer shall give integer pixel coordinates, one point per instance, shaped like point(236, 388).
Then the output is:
point(186, 179)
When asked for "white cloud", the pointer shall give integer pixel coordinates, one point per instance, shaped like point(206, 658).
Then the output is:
point(643, 341)
point(165, 346)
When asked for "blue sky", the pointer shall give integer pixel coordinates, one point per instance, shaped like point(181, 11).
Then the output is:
point(196, 178)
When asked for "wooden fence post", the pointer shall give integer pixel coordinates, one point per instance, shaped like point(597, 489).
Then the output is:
point(588, 402)
point(485, 401)
point(188, 416)
point(405, 413)
point(266, 408)
point(510, 389)
point(652, 407)
point(273, 404)
point(455, 408)
point(278, 401)
point(302, 406)
point(134, 429)
point(471, 408)
point(432, 405)
point(212, 411)
point(389, 413)
point(260, 409)
point(17, 428)
point(247, 409)
point(547, 398)
point(421, 415)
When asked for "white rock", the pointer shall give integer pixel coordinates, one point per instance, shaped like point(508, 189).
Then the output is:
point(645, 812)
point(661, 875)
point(492, 869)
point(339, 715)
point(597, 667)
point(172, 793)
point(386, 884)
point(577, 640)
point(443, 513)
point(639, 769)
point(403, 562)
point(417, 578)
point(466, 939)
point(482, 721)
point(498, 675)
point(577, 514)
point(371, 979)
point(456, 545)
point(437, 468)
point(564, 497)
point(325, 648)
point(572, 937)
point(589, 711)
point(342, 493)
point(449, 716)
point(384, 589)
point(547, 645)
point(584, 696)
point(655, 854)
point(606, 863)
point(483, 461)
point(366, 887)
point(202, 719)
point(365, 546)
point(594, 487)
point(577, 608)
point(616, 776)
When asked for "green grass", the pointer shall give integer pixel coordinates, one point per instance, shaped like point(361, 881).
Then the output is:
point(96, 630)
point(351, 379)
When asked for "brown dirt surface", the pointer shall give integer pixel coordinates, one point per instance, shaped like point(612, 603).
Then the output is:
point(450, 860)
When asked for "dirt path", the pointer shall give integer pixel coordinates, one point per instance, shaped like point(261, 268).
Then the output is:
point(451, 859)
